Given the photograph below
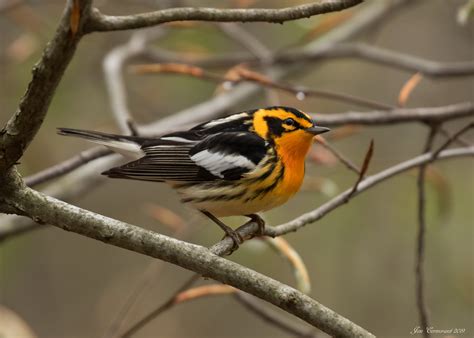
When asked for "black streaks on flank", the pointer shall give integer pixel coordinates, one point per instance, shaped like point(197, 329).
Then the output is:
point(260, 193)
point(235, 173)
point(215, 198)
point(273, 163)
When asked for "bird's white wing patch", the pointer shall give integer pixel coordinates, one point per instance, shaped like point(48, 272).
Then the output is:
point(216, 163)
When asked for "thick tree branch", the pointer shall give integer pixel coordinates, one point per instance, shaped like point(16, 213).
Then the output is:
point(46, 209)
point(24, 124)
point(100, 22)
point(68, 188)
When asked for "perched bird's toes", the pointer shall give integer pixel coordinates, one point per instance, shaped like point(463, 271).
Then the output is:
point(260, 223)
point(236, 238)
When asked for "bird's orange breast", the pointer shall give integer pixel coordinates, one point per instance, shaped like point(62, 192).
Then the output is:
point(292, 149)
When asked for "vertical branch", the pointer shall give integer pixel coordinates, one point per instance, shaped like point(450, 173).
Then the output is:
point(113, 67)
point(420, 241)
point(22, 127)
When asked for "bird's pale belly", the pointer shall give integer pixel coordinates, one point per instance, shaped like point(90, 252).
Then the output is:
point(244, 202)
point(239, 207)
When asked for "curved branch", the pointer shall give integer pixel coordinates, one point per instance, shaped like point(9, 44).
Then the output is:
point(78, 183)
point(99, 22)
point(193, 257)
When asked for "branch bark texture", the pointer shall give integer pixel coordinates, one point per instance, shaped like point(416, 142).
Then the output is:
point(100, 22)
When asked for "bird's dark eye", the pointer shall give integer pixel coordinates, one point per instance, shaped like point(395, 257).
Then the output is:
point(289, 122)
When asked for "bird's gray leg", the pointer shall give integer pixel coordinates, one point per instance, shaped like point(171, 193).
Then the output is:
point(235, 236)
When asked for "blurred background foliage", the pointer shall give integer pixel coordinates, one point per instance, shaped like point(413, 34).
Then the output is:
point(360, 257)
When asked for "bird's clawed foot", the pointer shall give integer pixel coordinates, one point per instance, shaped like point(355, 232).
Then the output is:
point(234, 235)
point(260, 222)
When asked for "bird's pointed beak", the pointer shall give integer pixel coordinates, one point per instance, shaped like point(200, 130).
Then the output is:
point(315, 130)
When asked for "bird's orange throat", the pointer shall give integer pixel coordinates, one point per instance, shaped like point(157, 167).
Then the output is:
point(293, 148)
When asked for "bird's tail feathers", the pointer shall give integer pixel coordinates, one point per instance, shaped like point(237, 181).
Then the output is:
point(128, 146)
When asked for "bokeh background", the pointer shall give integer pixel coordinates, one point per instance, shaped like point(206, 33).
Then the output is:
point(360, 257)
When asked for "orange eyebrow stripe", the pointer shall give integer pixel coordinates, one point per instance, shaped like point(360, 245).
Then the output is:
point(259, 123)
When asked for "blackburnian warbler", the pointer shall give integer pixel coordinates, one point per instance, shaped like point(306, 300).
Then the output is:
point(237, 165)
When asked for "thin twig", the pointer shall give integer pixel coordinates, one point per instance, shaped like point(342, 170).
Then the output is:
point(420, 239)
point(340, 156)
point(113, 65)
point(453, 138)
point(460, 141)
point(363, 170)
point(100, 22)
point(66, 166)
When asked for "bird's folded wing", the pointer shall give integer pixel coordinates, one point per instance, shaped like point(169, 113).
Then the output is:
point(229, 155)
point(225, 156)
